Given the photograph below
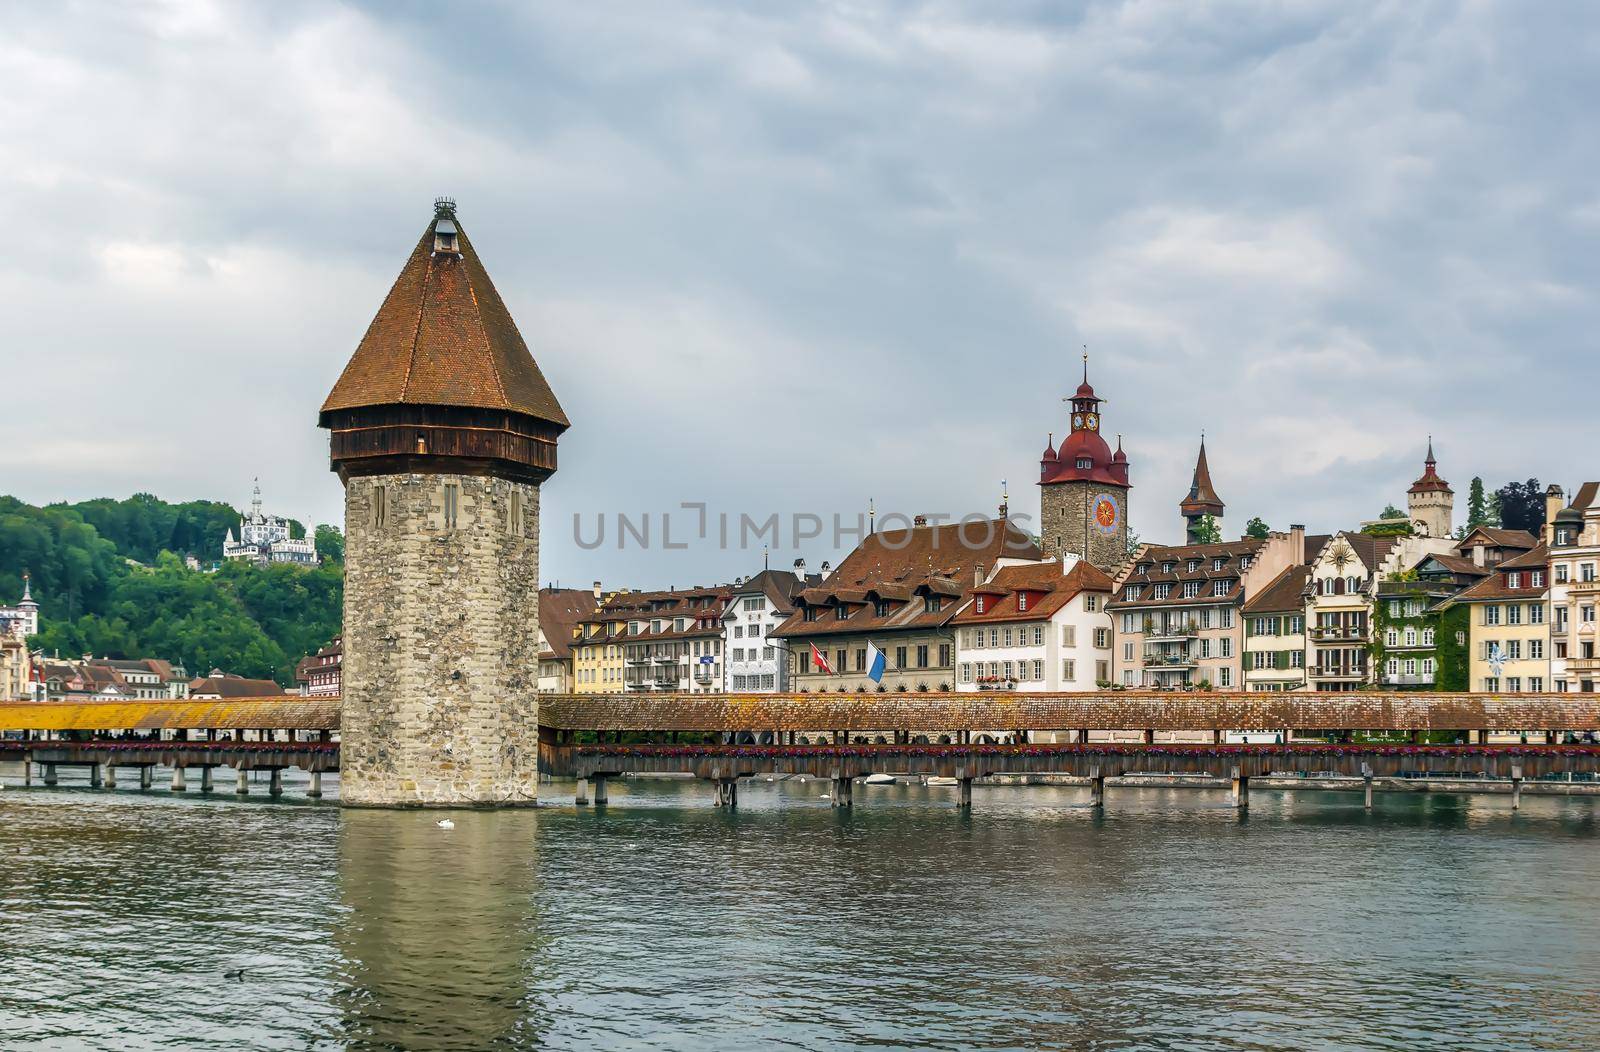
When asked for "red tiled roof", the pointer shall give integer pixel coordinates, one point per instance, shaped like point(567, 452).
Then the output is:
point(1284, 592)
point(443, 337)
point(1057, 588)
point(1202, 498)
point(560, 610)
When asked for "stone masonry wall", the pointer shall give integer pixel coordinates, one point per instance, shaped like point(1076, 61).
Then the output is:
point(1064, 510)
point(441, 651)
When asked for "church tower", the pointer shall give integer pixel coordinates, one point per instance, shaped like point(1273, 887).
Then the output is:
point(1201, 501)
point(442, 429)
point(1083, 488)
point(1430, 501)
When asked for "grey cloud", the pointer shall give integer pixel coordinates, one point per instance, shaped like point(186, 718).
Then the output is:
point(787, 259)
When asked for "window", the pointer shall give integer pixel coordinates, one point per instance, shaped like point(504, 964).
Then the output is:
point(1205, 618)
point(1127, 651)
point(452, 498)
point(1513, 613)
point(1586, 572)
point(380, 505)
point(1227, 617)
point(1130, 593)
point(1224, 676)
point(1005, 636)
point(1394, 608)
point(931, 604)
point(1427, 666)
point(900, 653)
point(1514, 684)
point(1514, 649)
point(1038, 669)
point(922, 656)
point(1162, 591)
point(1084, 463)
point(1128, 624)
point(1391, 638)
point(1392, 668)
point(1221, 587)
point(1536, 684)
point(1427, 637)
point(1191, 589)
point(1102, 638)
point(880, 607)
point(1069, 635)
point(840, 612)
point(838, 664)
point(1218, 563)
point(1491, 614)
point(1411, 636)
point(1297, 659)
point(966, 672)
point(1536, 649)
point(944, 655)
point(994, 637)
point(1091, 603)
point(1561, 573)
point(514, 514)
point(1491, 683)
point(1022, 601)
point(1205, 648)
point(1297, 624)
point(1227, 646)
point(1192, 565)
point(1005, 670)
point(1514, 579)
point(1167, 567)
point(1411, 666)
point(1069, 669)
point(1535, 613)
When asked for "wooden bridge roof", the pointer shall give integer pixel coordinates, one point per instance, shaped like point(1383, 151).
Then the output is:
point(289, 712)
point(1113, 710)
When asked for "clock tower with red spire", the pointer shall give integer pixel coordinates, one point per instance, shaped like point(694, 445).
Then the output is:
point(1083, 488)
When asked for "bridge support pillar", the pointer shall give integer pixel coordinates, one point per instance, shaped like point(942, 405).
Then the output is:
point(275, 782)
point(580, 796)
point(1241, 789)
point(1516, 788)
point(1366, 784)
point(600, 789)
point(964, 794)
point(314, 789)
point(178, 783)
point(1097, 788)
point(94, 777)
point(241, 782)
point(49, 774)
point(27, 770)
point(146, 776)
point(843, 790)
point(1483, 737)
point(205, 780)
point(108, 776)
point(727, 792)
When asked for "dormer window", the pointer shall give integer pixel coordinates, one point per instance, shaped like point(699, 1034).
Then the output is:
point(1218, 563)
point(1130, 593)
point(1194, 564)
point(1536, 579)
point(1514, 579)
point(810, 613)
point(881, 608)
point(978, 605)
point(1167, 567)
point(841, 612)
point(1022, 600)
point(1144, 568)
point(931, 604)
point(1084, 463)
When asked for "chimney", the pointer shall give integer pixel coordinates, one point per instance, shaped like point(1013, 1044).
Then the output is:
point(597, 591)
point(1297, 543)
point(826, 567)
point(977, 575)
point(920, 520)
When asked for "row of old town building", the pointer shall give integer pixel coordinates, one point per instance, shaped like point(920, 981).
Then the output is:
point(1393, 605)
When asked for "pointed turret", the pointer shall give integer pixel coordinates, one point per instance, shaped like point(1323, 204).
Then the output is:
point(1202, 499)
point(443, 375)
point(1430, 500)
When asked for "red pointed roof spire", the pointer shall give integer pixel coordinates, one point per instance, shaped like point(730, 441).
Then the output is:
point(1430, 479)
point(1202, 498)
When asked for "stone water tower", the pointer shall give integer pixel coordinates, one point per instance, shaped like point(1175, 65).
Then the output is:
point(442, 429)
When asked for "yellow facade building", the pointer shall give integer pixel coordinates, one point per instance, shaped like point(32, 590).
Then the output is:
point(1509, 647)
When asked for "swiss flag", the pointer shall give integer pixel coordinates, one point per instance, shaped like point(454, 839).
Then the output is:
point(822, 662)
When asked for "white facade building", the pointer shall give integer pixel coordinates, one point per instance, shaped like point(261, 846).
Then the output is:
point(755, 663)
point(21, 621)
point(265, 539)
point(1036, 627)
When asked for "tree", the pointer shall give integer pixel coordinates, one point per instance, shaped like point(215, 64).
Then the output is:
point(1392, 512)
point(1257, 528)
point(1478, 510)
point(1133, 544)
point(1206, 531)
point(330, 543)
point(1521, 506)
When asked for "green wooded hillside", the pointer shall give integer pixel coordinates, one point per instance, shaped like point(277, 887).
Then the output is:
point(245, 619)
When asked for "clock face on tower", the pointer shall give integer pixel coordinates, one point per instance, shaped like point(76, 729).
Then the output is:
point(1077, 420)
point(1093, 422)
point(1106, 514)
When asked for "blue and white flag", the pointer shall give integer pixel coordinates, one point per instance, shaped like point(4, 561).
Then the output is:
point(875, 662)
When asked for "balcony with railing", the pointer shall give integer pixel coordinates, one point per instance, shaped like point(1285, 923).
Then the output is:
point(1170, 631)
point(1343, 633)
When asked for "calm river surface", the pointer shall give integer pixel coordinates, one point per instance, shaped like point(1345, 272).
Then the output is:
point(661, 923)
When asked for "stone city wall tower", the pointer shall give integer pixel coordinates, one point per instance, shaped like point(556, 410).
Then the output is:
point(442, 429)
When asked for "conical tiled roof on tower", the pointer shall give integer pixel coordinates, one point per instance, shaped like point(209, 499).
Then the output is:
point(442, 381)
point(1430, 479)
point(1202, 498)
point(443, 337)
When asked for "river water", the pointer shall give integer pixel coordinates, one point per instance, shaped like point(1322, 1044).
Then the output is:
point(660, 922)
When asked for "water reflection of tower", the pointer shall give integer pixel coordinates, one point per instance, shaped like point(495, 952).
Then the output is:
point(439, 934)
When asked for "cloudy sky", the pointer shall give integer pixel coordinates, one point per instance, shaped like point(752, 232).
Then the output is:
point(784, 258)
